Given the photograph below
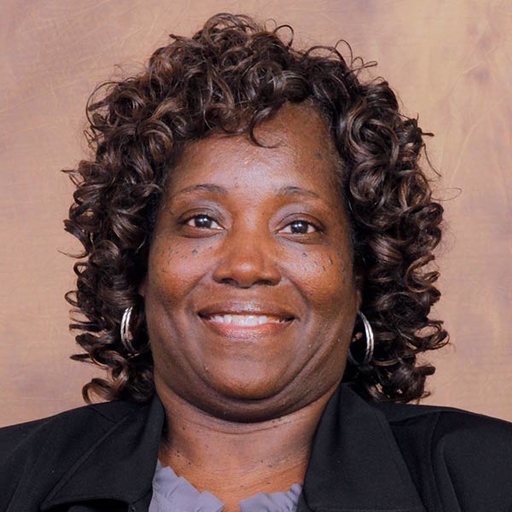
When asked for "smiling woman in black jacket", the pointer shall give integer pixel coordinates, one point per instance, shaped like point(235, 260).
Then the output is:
point(253, 217)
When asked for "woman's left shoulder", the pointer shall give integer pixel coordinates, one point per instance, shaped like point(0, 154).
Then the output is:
point(447, 427)
point(463, 458)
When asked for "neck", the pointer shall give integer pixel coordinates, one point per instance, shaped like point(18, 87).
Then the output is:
point(236, 460)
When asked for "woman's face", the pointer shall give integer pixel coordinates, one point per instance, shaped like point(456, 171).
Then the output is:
point(250, 293)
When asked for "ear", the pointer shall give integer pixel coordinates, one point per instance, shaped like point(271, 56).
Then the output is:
point(359, 281)
point(143, 287)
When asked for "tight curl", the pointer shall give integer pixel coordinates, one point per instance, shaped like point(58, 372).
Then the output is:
point(230, 76)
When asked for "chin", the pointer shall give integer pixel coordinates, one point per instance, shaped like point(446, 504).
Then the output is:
point(256, 400)
point(247, 410)
point(250, 389)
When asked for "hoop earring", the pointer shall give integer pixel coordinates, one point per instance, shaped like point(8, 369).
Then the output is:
point(126, 334)
point(369, 341)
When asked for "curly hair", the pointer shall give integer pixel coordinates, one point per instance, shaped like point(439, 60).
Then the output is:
point(230, 76)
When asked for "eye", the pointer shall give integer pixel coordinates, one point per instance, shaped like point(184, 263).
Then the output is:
point(300, 227)
point(202, 221)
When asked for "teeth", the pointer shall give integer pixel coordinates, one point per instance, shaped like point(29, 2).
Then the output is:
point(245, 320)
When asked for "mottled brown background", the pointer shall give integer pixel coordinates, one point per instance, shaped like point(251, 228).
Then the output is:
point(449, 61)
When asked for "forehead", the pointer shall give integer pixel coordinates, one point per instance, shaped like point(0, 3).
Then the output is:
point(295, 144)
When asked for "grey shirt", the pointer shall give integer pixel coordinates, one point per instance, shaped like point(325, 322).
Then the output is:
point(172, 493)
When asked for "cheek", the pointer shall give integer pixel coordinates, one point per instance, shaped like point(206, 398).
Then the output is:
point(174, 269)
point(326, 279)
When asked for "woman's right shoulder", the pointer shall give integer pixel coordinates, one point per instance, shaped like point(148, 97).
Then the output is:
point(102, 413)
point(47, 460)
point(52, 444)
point(71, 422)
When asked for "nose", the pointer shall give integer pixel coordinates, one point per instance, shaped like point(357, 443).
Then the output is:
point(247, 259)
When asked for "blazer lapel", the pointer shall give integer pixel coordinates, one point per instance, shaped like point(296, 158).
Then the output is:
point(356, 464)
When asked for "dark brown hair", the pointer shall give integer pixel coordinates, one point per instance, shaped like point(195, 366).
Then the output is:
point(232, 75)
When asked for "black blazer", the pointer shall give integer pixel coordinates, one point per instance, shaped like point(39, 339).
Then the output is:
point(366, 457)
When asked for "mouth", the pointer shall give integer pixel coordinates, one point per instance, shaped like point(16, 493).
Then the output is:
point(250, 316)
point(242, 320)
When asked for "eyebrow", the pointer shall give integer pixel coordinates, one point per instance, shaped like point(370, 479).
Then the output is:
point(291, 191)
point(287, 191)
point(202, 187)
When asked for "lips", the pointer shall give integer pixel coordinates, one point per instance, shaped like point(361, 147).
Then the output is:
point(245, 315)
point(245, 320)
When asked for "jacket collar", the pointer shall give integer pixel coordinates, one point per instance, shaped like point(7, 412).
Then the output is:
point(356, 463)
point(119, 465)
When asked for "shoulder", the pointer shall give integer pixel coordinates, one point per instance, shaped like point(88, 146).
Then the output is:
point(446, 427)
point(98, 416)
point(45, 449)
point(464, 458)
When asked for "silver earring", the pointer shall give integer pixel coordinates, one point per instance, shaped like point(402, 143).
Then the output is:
point(369, 340)
point(126, 334)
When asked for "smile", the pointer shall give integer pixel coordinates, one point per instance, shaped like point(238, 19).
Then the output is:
point(245, 320)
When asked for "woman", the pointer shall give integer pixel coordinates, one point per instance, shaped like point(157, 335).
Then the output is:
point(253, 217)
